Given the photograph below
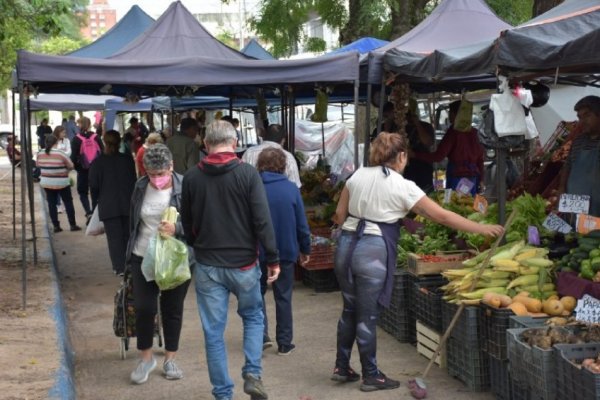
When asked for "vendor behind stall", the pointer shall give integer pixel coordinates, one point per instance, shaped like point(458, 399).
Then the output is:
point(464, 152)
point(581, 172)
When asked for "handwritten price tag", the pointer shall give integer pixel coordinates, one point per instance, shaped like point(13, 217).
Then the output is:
point(447, 196)
point(480, 204)
point(587, 223)
point(555, 223)
point(588, 309)
point(574, 203)
point(464, 186)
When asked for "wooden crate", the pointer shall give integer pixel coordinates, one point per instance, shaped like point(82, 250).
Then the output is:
point(454, 259)
point(427, 342)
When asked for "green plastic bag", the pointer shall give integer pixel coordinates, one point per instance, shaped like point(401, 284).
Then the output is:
point(464, 117)
point(171, 267)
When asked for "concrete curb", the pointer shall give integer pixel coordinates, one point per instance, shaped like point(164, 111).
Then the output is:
point(64, 380)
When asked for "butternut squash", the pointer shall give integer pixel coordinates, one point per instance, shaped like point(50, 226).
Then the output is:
point(532, 305)
point(519, 309)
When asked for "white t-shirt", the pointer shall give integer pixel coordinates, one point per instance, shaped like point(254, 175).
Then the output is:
point(154, 205)
point(380, 198)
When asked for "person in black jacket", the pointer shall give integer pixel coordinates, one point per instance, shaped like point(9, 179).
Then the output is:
point(225, 215)
point(41, 133)
point(112, 178)
point(81, 167)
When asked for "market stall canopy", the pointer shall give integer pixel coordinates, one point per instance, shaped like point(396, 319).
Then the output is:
point(255, 50)
point(452, 24)
point(567, 36)
point(133, 24)
point(177, 33)
point(69, 102)
point(64, 74)
point(362, 45)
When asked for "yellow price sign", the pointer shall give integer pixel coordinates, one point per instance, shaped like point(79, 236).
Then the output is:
point(480, 204)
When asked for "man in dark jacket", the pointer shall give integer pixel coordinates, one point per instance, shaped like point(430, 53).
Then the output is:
point(82, 167)
point(41, 133)
point(225, 215)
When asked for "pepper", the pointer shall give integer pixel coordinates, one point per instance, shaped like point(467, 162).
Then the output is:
point(586, 270)
point(596, 264)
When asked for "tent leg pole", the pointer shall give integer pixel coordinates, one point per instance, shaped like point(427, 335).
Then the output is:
point(501, 184)
point(323, 140)
point(30, 187)
point(23, 200)
point(381, 104)
point(356, 87)
point(14, 189)
point(367, 124)
point(292, 134)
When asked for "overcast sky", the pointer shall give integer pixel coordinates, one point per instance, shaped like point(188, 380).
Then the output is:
point(155, 8)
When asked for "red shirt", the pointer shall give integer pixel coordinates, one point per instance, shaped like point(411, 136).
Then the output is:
point(465, 154)
point(139, 161)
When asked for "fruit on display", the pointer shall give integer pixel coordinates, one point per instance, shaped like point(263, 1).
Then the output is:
point(585, 258)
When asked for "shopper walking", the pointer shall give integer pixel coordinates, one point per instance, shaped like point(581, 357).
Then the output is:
point(86, 147)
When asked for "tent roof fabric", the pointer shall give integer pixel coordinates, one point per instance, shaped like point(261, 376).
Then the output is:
point(134, 23)
point(69, 102)
point(362, 45)
point(566, 36)
point(452, 24)
point(254, 49)
point(56, 74)
point(177, 33)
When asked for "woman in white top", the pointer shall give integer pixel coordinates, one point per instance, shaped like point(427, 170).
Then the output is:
point(371, 205)
point(63, 144)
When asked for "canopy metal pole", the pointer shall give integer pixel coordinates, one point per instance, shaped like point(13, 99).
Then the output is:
point(381, 101)
point(173, 131)
point(292, 133)
point(342, 107)
point(367, 125)
point(231, 102)
point(29, 170)
point(14, 192)
point(23, 201)
point(356, 87)
point(501, 184)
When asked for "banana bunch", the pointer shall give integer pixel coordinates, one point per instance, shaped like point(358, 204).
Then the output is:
point(514, 268)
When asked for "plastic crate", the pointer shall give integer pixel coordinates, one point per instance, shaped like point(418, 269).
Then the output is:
point(321, 257)
point(427, 343)
point(500, 383)
point(515, 322)
point(321, 280)
point(427, 301)
point(532, 366)
point(494, 323)
point(576, 383)
point(468, 364)
point(398, 320)
point(467, 328)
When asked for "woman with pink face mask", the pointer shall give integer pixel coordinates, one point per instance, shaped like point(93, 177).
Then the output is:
point(153, 193)
point(111, 178)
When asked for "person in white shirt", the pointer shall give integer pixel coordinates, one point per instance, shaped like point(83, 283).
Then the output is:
point(63, 144)
point(274, 137)
point(371, 205)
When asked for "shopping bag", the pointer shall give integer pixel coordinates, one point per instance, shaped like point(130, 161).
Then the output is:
point(171, 267)
point(509, 116)
point(149, 260)
point(464, 116)
point(95, 227)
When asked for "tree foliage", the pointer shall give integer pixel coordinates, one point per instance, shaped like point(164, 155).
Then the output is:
point(280, 22)
point(25, 24)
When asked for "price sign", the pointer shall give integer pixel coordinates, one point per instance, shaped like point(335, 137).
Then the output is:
point(555, 223)
point(438, 184)
point(480, 204)
point(447, 196)
point(588, 309)
point(464, 186)
point(533, 236)
point(587, 223)
point(574, 203)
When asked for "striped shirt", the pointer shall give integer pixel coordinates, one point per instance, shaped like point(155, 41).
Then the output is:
point(291, 167)
point(54, 168)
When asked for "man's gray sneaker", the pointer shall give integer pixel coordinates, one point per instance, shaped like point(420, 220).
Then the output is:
point(171, 370)
point(142, 371)
point(253, 386)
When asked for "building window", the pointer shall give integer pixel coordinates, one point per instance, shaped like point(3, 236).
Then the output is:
point(102, 24)
point(93, 24)
point(94, 32)
point(92, 16)
point(102, 16)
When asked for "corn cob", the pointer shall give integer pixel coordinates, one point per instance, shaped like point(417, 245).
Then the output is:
point(525, 255)
point(529, 270)
point(478, 294)
point(505, 265)
point(537, 262)
point(546, 287)
point(523, 280)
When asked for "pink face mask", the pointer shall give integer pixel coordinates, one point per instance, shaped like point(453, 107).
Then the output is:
point(160, 181)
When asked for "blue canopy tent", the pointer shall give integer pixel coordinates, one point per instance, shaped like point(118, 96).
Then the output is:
point(362, 45)
point(133, 24)
point(254, 49)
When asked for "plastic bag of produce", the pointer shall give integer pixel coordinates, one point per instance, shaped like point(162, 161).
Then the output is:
point(171, 267)
point(149, 260)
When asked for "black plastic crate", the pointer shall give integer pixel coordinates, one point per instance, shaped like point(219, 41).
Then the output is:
point(576, 383)
point(500, 383)
point(519, 390)
point(494, 323)
point(468, 364)
point(467, 328)
point(398, 320)
point(322, 280)
point(516, 321)
point(427, 301)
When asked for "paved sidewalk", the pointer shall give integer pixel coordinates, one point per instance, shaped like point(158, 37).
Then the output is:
point(89, 287)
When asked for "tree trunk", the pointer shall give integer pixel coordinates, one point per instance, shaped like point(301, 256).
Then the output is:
point(400, 16)
point(541, 6)
point(354, 28)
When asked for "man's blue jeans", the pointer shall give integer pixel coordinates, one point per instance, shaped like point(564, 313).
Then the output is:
point(213, 286)
point(361, 287)
point(283, 288)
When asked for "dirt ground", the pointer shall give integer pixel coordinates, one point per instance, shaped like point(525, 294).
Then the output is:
point(28, 340)
point(28, 343)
